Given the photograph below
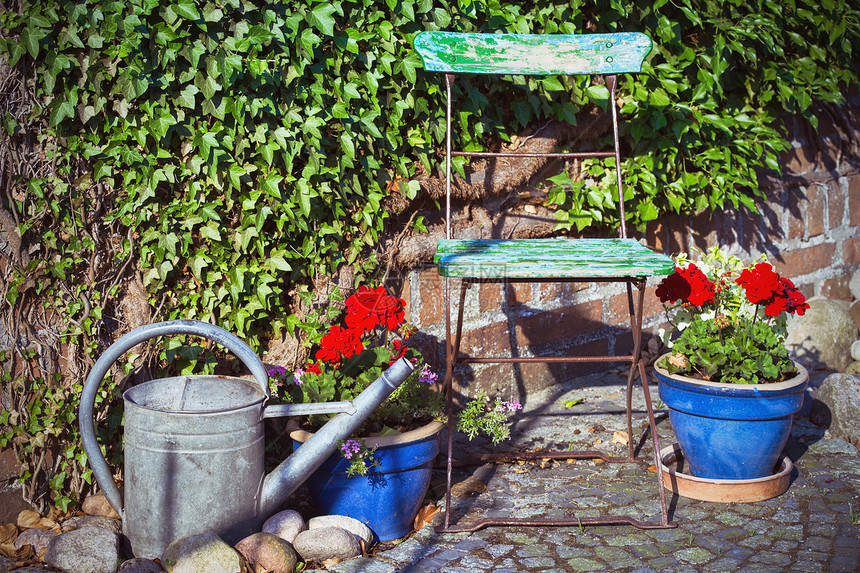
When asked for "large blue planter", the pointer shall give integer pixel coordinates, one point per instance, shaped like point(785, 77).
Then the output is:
point(390, 495)
point(731, 431)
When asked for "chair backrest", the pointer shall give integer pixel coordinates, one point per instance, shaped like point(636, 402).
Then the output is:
point(533, 54)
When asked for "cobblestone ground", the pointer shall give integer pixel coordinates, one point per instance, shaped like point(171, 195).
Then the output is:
point(813, 527)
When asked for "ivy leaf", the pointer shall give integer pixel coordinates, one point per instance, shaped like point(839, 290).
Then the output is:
point(321, 18)
point(347, 146)
point(186, 97)
point(60, 112)
point(29, 38)
point(279, 263)
point(186, 9)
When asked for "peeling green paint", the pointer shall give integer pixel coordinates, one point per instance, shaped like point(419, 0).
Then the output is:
point(533, 54)
point(548, 258)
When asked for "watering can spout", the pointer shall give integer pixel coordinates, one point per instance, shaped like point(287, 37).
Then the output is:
point(294, 470)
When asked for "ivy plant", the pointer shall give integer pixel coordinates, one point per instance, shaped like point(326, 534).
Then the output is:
point(232, 153)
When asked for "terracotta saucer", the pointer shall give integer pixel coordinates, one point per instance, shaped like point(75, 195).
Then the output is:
point(721, 490)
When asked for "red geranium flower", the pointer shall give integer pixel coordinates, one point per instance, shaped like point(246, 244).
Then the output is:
point(337, 342)
point(760, 283)
point(673, 288)
point(689, 284)
point(765, 287)
point(368, 308)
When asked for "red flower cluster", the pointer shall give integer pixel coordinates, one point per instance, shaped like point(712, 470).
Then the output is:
point(765, 287)
point(687, 285)
point(365, 310)
point(368, 308)
point(337, 342)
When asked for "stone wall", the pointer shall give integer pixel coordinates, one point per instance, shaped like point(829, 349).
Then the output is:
point(809, 227)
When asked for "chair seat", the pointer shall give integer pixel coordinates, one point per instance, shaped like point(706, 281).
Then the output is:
point(549, 258)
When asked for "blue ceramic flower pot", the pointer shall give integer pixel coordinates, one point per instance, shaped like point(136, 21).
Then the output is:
point(390, 495)
point(731, 431)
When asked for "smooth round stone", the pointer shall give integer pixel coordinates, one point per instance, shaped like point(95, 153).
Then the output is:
point(285, 524)
point(38, 538)
point(97, 504)
point(354, 526)
point(325, 543)
point(202, 552)
point(855, 350)
point(85, 550)
point(268, 551)
point(80, 521)
point(140, 566)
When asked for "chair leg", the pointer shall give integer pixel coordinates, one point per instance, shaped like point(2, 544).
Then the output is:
point(636, 326)
point(452, 351)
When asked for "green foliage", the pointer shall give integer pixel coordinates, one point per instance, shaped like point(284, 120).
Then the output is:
point(233, 153)
point(481, 416)
point(48, 421)
point(720, 331)
point(704, 116)
point(741, 353)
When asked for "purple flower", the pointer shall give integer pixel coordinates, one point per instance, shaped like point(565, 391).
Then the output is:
point(297, 377)
point(277, 371)
point(508, 405)
point(427, 375)
point(349, 448)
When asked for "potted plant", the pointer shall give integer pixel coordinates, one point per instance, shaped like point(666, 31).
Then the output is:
point(381, 475)
point(728, 381)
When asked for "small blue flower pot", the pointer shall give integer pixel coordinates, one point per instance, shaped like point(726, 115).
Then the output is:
point(731, 431)
point(390, 495)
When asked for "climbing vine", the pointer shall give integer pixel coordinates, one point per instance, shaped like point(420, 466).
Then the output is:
point(230, 156)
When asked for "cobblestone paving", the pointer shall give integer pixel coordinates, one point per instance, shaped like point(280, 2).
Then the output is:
point(813, 527)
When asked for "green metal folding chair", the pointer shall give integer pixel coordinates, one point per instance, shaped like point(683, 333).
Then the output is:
point(544, 260)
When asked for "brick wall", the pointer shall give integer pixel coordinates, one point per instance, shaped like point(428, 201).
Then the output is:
point(809, 227)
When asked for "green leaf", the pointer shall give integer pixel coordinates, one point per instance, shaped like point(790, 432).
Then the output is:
point(61, 111)
point(321, 18)
point(186, 9)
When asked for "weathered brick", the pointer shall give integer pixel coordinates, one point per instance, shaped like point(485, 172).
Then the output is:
point(537, 375)
point(851, 252)
point(836, 289)
point(403, 289)
point(618, 309)
point(795, 263)
point(854, 200)
point(798, 161)
point(542, 328)
point(835, 204)
point(795, 222)
point(489, 296)
point(518, 293)
point(431, 291)
point(490, 340)
point(814, 210)
point(548, 291)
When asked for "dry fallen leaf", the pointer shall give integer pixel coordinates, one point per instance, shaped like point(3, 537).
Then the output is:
point(31, 520)
point(425, 516)
point(652, 469)
point(620, 438)
point(8, 535)
point(598, 441)
point(28, 519)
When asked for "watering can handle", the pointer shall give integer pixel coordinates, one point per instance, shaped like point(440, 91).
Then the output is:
point(86, 419)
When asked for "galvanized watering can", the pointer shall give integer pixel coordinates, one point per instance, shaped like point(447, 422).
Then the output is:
point(194, 444)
